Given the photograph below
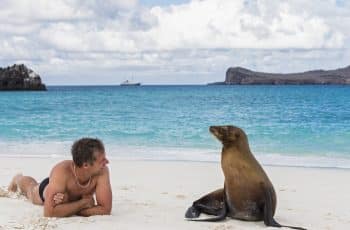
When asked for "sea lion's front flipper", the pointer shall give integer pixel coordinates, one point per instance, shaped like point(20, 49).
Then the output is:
point(212, 204)
point(268, 214)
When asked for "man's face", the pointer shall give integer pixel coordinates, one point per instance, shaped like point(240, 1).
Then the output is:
point(100, 162)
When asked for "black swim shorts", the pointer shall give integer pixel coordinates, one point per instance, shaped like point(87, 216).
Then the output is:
point(42, 187)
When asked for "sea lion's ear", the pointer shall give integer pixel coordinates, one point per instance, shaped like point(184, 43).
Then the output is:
point(237, 135)
point(226, 129)
point(231, 133)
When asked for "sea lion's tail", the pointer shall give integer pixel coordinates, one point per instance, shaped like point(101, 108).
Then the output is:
point(277, 225)
point(268, 214)
point(292, 227)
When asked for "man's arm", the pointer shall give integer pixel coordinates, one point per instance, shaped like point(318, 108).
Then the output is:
point(56, 185)
point(103, 197)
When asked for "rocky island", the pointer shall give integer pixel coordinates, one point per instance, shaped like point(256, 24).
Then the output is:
point(20, 77)
point(242, 76)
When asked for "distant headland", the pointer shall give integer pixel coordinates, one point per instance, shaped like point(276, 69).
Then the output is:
point(20, 77)
point(242, 76)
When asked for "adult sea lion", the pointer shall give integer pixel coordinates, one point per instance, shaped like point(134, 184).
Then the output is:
point(248, 194)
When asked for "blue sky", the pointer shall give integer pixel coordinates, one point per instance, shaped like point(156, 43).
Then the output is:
point(86, 42)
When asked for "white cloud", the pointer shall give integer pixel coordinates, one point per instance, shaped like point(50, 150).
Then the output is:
point(107, 6)
point(201, 37)
point(230, 24)
point(26, 11)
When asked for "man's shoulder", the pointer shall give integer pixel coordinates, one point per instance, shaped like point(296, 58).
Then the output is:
point(105, 170)
point(63, 164)
point(104, 173)
point(59, 176)
point(62, 167)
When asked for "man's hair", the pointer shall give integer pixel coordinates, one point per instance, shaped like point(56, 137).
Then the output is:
point(84, 148)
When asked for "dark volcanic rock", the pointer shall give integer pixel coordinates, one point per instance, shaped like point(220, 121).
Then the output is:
point(242, 76)
point(19, 77)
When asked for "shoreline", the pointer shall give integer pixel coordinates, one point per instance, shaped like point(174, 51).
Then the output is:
point(156, 194)
point(144, 159)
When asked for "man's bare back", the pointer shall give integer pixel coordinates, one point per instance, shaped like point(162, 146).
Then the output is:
point(72, 184)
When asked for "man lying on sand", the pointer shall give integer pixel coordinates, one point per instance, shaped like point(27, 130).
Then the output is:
point(72, 183)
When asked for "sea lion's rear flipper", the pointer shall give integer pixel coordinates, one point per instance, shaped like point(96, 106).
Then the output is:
point(212, 204)
point(268, 214)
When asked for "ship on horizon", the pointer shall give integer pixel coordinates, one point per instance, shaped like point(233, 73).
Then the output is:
point(129, 83)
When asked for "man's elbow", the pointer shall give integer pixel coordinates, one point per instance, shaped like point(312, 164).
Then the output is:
point(107, 210)
point(48, 213)
point(52, 213)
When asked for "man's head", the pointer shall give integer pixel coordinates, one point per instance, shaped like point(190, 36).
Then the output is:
point(86, 151)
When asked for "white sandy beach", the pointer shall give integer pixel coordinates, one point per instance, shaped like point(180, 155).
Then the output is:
point(155, 195)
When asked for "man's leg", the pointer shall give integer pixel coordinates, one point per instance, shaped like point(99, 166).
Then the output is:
point(27, 186)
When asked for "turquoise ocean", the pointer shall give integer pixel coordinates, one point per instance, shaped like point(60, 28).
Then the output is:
point(305, 126)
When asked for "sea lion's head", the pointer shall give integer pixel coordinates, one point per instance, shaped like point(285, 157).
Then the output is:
point(228, 134)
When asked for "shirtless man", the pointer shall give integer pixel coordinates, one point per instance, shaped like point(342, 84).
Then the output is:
point(72, 184)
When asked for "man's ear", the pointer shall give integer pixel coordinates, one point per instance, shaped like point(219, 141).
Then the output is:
point(85, 165)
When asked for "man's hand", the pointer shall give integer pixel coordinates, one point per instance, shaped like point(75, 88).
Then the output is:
point(89, 201)
point(58, 198)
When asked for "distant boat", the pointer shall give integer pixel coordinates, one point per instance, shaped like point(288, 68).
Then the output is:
point(129, 83)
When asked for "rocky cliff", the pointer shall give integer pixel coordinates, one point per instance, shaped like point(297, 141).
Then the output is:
point(19, 77)
point(242, 76)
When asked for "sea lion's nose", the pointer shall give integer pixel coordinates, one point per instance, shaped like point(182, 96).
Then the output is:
point(212, 128)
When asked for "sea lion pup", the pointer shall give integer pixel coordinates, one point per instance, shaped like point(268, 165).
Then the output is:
point(248, 194)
